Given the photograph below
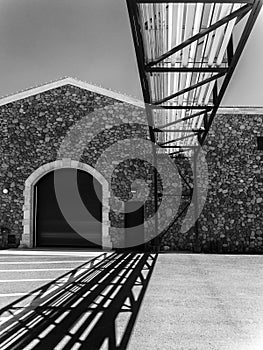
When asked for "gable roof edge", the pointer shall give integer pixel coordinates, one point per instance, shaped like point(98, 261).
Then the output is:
point(70, 81)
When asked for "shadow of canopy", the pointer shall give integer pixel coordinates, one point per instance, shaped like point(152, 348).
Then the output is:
point(91, 307)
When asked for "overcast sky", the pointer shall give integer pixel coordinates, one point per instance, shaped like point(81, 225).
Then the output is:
point(43, 40)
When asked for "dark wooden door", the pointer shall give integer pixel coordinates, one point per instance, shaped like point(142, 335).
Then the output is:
point(51, 228)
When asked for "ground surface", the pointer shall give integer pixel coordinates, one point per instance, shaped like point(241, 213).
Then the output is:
point(193, 302)
point(23, 271)
point(202, 302)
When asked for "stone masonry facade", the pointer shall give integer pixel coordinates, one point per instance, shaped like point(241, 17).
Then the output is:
point(33, 130)
point(231, 220)
point(33, 133)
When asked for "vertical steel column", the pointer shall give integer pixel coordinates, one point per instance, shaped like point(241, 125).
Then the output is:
point(156, 241)
point(195, 197)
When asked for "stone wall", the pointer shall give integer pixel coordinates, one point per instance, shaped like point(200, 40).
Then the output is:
point(33, 133)
point(232, 219)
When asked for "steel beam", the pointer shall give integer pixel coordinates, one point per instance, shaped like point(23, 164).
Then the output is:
point(234, 14)
point(182, 147)
point(215, 94)
point(178, 139)
point(184, 70)
point(230, 51)
point(138, 44)
point(184, 179)
point(207, 108)
point(182, 119)
point(177, 152)
point(195, 86)
point(193, 1)
point(140, 54)
point(205, 119)
point(179, 130)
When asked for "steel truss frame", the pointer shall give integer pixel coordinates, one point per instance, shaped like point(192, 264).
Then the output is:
point(157, 63)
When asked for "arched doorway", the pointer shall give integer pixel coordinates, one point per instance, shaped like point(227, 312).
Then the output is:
point(50, 226)
point(28, 239)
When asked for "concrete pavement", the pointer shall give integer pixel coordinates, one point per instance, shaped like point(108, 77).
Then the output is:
point(192, 302)
point(202, 302)
point(22, 271)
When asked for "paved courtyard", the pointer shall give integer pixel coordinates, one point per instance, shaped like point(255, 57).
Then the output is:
point(179, 301)
point(202, 302)
point(22, 271)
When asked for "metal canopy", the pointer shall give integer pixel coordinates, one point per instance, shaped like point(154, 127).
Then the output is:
point(187, 52)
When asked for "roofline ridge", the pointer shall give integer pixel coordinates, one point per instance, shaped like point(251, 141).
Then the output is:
point(34, 90)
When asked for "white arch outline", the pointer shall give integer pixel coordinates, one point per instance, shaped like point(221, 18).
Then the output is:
point(27, 240)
